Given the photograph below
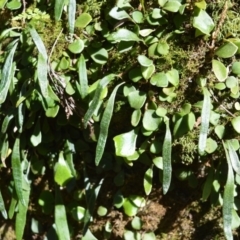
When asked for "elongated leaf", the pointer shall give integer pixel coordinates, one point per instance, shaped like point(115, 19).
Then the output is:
point(21, 216)
point(6, 74)
point(42, 70)
point(82, 74)
point(205, 118)
point(167, 158)
point(17, 170)
point(38, 42)
point(208, 185)
point(42, 65)
point(6, 122)
point(58, 8)
point(91, 198)
point(2, 207)
point(71, 15)
point(234, 158)
point(60, 218)
point(69, 151)
point(228, 200)
point(12, 206)
point(147, 181)
point(104, 125)
point(101, 85)
point(21, 108)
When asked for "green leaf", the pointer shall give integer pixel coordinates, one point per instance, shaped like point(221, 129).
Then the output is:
point(167, 158)
point(2, 207)
point(132, 204)
point(123, 34)
point(6, 74)
point(125, 144)
point(227, 50)
point(159, 79)
point(14, 5)
point(163, 48)
point(101, 85)
point(136, 117)
point(17, 170)
point(118, 14)
point(236, 124)
point(149, 236)
point(211, 145)
point(71, 15)
point(60, 217)
point(147, 72)
point(205, 119)
point(236, 68)
point(21, 217)
point(136, 223)
point(151, 120)
point(144, 61)
point(58, 8)
point(233, 157)
point(220, 71)
point(131, 235)
point(147, 181)
point(137, 99)
point(104, 125)
point(78, 213)
point(219, 130)
point(83, 20)
point(36, 137)
point(208, 185)
point(228, 199)
point(99, 56)
point(101, 211)
point(173, 77)
point(137, 17)
point(62, 172)
point(172, 6)
point(77, 46)
point(83, 79)
point(42, 65)
point(203, 22)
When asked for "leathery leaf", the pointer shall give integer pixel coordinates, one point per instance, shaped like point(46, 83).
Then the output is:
point(82, 74)
point(71, 15)
point(228, 199)
point(42, 65)
point(104, 125)
point(233, 157)
point(60, 217)
point(17, 170)
point(101, 85)
point(58, 8)
point(205, 118)
point(167, 157)
point(6, 74)
point(2, 207)
point(21, 216)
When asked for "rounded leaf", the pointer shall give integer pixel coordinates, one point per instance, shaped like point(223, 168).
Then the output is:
point(101, 211)
point(144, 61)
point(236, 68)
point(236, 124)
point(136, 99)
point(220, 71)
point(203, 22)
point(83, 20)
point(151, 120)
point(227, 50)
point(77, 46)
point(99, 56)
